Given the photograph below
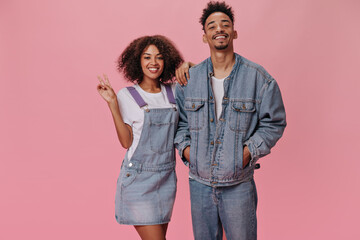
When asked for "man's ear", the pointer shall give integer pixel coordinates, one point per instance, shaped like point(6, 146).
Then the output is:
point(205, 38)
point(235, 34)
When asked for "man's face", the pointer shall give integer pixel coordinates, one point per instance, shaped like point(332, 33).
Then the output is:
point(219, 31)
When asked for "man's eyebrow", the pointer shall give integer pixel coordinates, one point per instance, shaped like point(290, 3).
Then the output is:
point(223, 20)
point(210, 23)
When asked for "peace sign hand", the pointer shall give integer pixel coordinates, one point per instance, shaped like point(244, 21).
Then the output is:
point(105, 90)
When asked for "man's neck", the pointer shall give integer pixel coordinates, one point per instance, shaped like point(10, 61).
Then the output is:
point(223, 62)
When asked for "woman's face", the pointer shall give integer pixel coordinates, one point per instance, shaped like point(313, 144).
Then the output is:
point(152, 63)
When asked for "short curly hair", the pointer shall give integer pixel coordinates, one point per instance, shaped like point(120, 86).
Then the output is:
point(129, 61)
point(212, 7)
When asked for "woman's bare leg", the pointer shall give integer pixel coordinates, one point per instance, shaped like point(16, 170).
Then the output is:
point(152, 232)
point(164, 226)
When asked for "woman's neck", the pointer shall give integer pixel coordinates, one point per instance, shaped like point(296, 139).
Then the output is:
point(150, 85)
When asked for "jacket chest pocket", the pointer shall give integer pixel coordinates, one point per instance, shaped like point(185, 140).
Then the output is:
point(195, 111)
point(241, 113)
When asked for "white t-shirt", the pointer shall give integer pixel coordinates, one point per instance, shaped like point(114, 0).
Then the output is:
point(218, 90)
point(133, 115)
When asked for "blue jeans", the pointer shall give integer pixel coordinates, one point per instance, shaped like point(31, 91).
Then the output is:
point(232, 208)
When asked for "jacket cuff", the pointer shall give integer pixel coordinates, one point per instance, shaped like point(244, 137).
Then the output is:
point(254, 156)
point(181, 148)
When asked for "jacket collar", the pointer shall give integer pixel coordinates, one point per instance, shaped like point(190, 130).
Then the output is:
point(210, 68)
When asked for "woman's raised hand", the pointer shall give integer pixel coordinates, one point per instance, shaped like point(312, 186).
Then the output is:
point(123, 130)
point(105, 89)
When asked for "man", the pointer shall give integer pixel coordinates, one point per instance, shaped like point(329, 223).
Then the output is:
point(231, 114)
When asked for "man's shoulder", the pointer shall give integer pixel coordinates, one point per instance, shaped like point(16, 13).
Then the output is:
point(199, 67)
point(198, 74)
point(249, 65)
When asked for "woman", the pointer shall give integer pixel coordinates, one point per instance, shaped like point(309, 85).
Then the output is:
point(145, 118)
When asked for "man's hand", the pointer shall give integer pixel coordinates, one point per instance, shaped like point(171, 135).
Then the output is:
point(186, 153)
point(246, 156)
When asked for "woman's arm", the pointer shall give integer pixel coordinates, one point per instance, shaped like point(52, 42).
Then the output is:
point(123, 130)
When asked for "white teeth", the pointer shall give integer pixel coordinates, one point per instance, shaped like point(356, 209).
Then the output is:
point(218, 37)
point(153, 69)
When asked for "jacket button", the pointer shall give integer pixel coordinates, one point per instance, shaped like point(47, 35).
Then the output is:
point(193, 106)
point(128, 174)
point(211, 119)
point(212, 142)
point(243, 106)
point(211, 97)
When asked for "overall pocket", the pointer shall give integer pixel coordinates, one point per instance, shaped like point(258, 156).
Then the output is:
point(196, 113)
point(161, 136)
point(241, 113)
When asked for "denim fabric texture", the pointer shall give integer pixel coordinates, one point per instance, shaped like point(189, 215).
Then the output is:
point(252, 114)
point(232, 208)
point(146, 186)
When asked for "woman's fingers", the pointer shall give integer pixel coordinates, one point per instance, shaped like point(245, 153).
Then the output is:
point(106, 79)
point(177, 76)
point(104, 82)
point(180, 76)
point(101, 80)
point(182, 73)
point(186, 75)
point(101, 86)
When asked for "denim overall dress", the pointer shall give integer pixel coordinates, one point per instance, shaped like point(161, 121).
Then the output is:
point(146, 187)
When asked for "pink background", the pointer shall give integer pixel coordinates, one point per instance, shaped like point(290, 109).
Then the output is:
point(58, 148)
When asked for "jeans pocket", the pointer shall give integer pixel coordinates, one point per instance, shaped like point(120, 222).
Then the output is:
point(128, 177)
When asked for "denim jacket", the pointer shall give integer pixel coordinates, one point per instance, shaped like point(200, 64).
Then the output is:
point(252, 114)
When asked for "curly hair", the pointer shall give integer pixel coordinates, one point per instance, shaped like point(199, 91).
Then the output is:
point(216, 7)
point(129, 61)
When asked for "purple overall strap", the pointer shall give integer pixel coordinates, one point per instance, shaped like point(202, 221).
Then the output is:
point(170, 94)
point(135, 94)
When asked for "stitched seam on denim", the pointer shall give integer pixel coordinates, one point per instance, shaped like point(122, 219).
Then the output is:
point(214, 196)
point(158, 195)
point(196, 99)
point(260, 70)
point(262, 91)
point(143, 223)
point(156, 168)
point(232, 181)
point(236, 161)
point(243, 100)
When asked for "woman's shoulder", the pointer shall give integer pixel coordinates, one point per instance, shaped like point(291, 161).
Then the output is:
point(128, 105)
point(124, 93)
point(171, 84)
point(124, 96)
